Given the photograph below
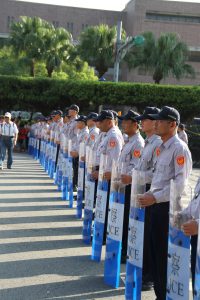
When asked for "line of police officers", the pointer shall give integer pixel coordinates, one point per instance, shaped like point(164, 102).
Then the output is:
point(162, 156)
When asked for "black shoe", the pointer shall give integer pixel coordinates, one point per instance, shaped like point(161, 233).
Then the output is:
point(147, 285)
point(9, 168)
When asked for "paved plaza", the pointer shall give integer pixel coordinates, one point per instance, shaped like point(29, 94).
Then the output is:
point(42, 255)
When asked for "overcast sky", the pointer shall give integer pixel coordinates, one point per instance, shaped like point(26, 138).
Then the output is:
point(99, 4)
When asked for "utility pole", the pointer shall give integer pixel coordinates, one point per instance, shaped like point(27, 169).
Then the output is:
point(123, 48)
point(118, 45)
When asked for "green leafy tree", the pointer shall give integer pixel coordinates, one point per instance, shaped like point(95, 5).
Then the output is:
point(97, 46)
point(162, 57)
point(57, 42)
point(27, 39)
point(78, 69)
point(9, 65)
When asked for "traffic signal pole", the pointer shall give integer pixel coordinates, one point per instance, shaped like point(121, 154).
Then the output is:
point(123, 48)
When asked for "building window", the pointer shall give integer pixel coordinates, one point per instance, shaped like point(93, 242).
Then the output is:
point(10, 20)
point(70, 27)
point(55, 24)
point(84, 26)
point(172, 18)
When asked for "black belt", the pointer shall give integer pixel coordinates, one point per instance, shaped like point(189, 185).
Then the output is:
point(7, 136)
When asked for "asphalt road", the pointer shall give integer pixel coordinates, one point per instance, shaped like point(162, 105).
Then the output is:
point(42, 255)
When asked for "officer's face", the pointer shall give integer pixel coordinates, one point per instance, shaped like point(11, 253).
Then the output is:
point(129, 127)
point(72, 113)
point(104, 125)
point(80, 125)
point(164, 127)
point(148, 125)
point(90, 123)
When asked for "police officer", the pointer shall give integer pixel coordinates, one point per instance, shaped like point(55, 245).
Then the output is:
point(72, 135)
point(173, 162)
point(129, 156)
point(82, 135)
point(111, 146)
point(145, 167)
point(9, 133)
point(190, 228)
point(115, 114)
point(58, 123)
point(1, 152)
point(182, 134)
point(93, 129)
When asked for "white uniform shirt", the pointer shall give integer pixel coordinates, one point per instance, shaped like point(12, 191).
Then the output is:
point(131, 153)
point(174, 162)
point(8, 129)
point(183, 136)
point(193, 209)
point(148, 158)
point(111, 146)
point(92, 137)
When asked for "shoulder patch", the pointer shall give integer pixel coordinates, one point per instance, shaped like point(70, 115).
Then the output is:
point(112, 143)
point(157, 151)
point(92, 137)
point(136, 153)
point(180, 160)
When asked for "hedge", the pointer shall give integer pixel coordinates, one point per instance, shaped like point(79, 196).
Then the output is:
point(43, 94)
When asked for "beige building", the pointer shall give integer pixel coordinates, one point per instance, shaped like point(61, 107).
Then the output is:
point(138, 16)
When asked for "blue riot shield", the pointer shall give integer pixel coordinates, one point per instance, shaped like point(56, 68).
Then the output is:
point(197, 274)
point(178, 266)
point(51, 154)
point(89, 198)
point(64, 185)
point(114, 227)
point(135, 241)
point(70, 175)
point(81, 172)
point(100, 211)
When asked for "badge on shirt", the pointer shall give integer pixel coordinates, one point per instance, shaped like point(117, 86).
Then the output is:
point(136, 153)
point(112, 143)
point(180, 160)
point(92, 137)
point(157, 151)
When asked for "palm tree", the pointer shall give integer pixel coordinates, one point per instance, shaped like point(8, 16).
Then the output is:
point(57, 43)
point(163, 57)
point(97, 46)
point(27, 40)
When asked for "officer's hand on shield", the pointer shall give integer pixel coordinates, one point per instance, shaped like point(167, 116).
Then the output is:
point(82, 158)
point(95, 175)
point(74, 154)
point(190, 228)
point(126, 179)
point(107, 175)
point(146, 200)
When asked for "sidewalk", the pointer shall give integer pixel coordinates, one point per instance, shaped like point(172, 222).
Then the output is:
point(41, 251)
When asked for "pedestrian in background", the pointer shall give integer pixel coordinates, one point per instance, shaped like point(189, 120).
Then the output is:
point(9, 134)
point(182, 134)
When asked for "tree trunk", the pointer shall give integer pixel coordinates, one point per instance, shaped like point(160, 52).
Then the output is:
point(101, 70)
point(32, 68)
point(49, 71)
